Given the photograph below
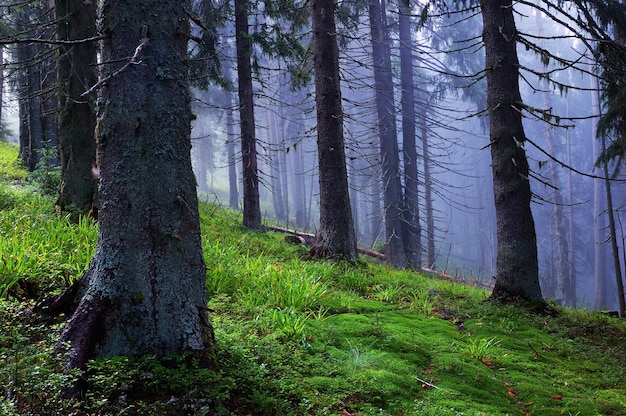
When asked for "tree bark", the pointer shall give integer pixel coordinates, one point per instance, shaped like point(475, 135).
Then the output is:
point(389, 154)
point(412, 227)
point(565, 293)
point(49, 84)
point(251, 199)
point(428, 185)
point(145, 286)
point(77, 119)
point(233, 192)
point(601, 297)
point(336, 237)
point(274, 139)
point(516, 264)
point(613, 236)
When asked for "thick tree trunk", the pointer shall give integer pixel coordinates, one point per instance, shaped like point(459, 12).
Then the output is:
point(336, 237)
point(412, 227)
point(77, 119)
point(145, 286)
point(251, 199)
point(517, 264)
point(389, 154)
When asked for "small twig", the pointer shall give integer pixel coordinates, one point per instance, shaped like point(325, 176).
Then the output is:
point(438, 388)
point(132, 61)
point(428, 384)
point(537, 355)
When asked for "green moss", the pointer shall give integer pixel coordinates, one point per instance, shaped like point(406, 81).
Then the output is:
point(298, 336)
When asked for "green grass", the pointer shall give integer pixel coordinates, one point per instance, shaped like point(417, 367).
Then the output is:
point(298, 336)
point(10, 167)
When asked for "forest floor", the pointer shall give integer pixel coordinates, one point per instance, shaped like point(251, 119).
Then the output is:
point(298, 336)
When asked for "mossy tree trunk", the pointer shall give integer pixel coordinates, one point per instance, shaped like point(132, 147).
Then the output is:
point(77, 119)
point(517, 274)
point(336, 237)
point(145, 286)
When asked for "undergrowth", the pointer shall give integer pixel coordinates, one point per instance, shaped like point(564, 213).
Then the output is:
point(298, 336)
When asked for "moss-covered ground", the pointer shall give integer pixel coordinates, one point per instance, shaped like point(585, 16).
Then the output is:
point(298, 336)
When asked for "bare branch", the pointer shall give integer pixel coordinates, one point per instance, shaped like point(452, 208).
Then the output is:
point(133, 60)
point(12, 40)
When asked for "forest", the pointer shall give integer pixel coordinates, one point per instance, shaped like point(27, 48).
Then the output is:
point(450, 159)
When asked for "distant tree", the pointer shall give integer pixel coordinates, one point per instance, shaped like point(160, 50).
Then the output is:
point(144, 291)
point(274, 153)
point(28, 87)
point(601, 292)
point(34, 80)
point(428, 181)
point(77, 72)
point(251, 199)
point(336, 237)
point(612, 231)
point(389, 152)
point(517, 272)
point(231, 151)
point(411, 215)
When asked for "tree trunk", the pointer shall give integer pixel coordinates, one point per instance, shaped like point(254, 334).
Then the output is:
point(613, 236)
point(389, 154)
point(564, 283)
point(299, 187)
point(355, 198)
point(282, 162)
point(31, 133)
point(336, 237)
point(233, 193)
point(412, 229)
point(516, 264)
point(251, 203)
point(77, 119)
point(601, 297)
point(428, 185)
point(274, 139)
point(49, 84)
point(35, 127)
point(145, 286)
point(21, 55)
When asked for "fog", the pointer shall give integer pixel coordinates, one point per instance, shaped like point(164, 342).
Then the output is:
point(450, 93)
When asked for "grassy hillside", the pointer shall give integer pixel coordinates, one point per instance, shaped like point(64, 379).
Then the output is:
point(299, 336)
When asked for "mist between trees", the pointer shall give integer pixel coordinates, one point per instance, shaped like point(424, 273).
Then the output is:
point(421, 129)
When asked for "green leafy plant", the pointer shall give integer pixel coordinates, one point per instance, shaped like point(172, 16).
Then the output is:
point(288, 322)
point(482, 348)
point(47, 175)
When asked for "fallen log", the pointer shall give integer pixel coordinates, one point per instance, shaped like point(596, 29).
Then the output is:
point(308, 239)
